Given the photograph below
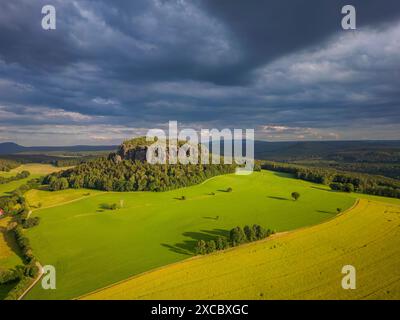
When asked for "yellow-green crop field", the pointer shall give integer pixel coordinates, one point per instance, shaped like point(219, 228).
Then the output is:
point(303, 264)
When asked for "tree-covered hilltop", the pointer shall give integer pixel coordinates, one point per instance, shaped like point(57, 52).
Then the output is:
point(127, 170)
point(128, 175)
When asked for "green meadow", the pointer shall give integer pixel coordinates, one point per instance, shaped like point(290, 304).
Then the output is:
point(93, 247)
point(36, 170)
point(301, 264)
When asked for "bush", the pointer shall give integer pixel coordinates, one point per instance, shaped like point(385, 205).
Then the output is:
point(295, 196)
point(237, 236)
point(31, 222)
point(250, 233)
point(221, 243)
point(211, 246)
point(58, 184)
point(201, 247)
point(7, 276)
point(107, 206)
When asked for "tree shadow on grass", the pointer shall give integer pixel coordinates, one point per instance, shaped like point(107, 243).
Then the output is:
point(6, 288)
point(322, 189)
point(328, 212)
point(283, 175)
point(11, 242)
point(212, 218)
point(175, 249)
point(187, 247)
point(278, 198)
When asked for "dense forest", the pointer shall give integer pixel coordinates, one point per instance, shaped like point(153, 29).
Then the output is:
point(340, 180)
point(58, 161)
point(389, 169)
point(372, 157)
point(127, 175)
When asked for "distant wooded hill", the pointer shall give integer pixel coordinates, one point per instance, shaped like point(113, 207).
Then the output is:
point(375, 157)
point(372, 151)
point(12, 148)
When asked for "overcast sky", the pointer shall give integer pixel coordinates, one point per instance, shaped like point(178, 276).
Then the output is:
point(113, 69)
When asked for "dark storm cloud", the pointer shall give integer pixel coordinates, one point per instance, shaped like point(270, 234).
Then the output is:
point(282, 65)
point(23, 40)
point(267, 29)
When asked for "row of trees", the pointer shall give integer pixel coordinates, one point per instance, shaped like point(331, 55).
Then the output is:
point(72, 161)
point(346, 187)
point(343, 181)
point(7, 165)
point(127, 175)
point(237, 236)
point(18, 176)
point(16, 206)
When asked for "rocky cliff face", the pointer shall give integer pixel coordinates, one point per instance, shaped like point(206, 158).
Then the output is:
point(124, 152)
point(136, 150)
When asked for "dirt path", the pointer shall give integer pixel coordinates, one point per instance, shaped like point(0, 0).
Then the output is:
point(34, 282)
point(67, 202)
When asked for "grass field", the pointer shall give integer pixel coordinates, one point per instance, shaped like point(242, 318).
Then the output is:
point(303, 264)
point(9, 253)
point(92, 247)
point(9, 257)
point(36, 170)
point(33, 168)
point(47, 199)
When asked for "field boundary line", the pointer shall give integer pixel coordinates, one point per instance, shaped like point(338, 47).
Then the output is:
point(270, 238)
point(70, 201)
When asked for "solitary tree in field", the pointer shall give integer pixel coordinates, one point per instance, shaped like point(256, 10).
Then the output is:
point(339, 210)
point(295, 196)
